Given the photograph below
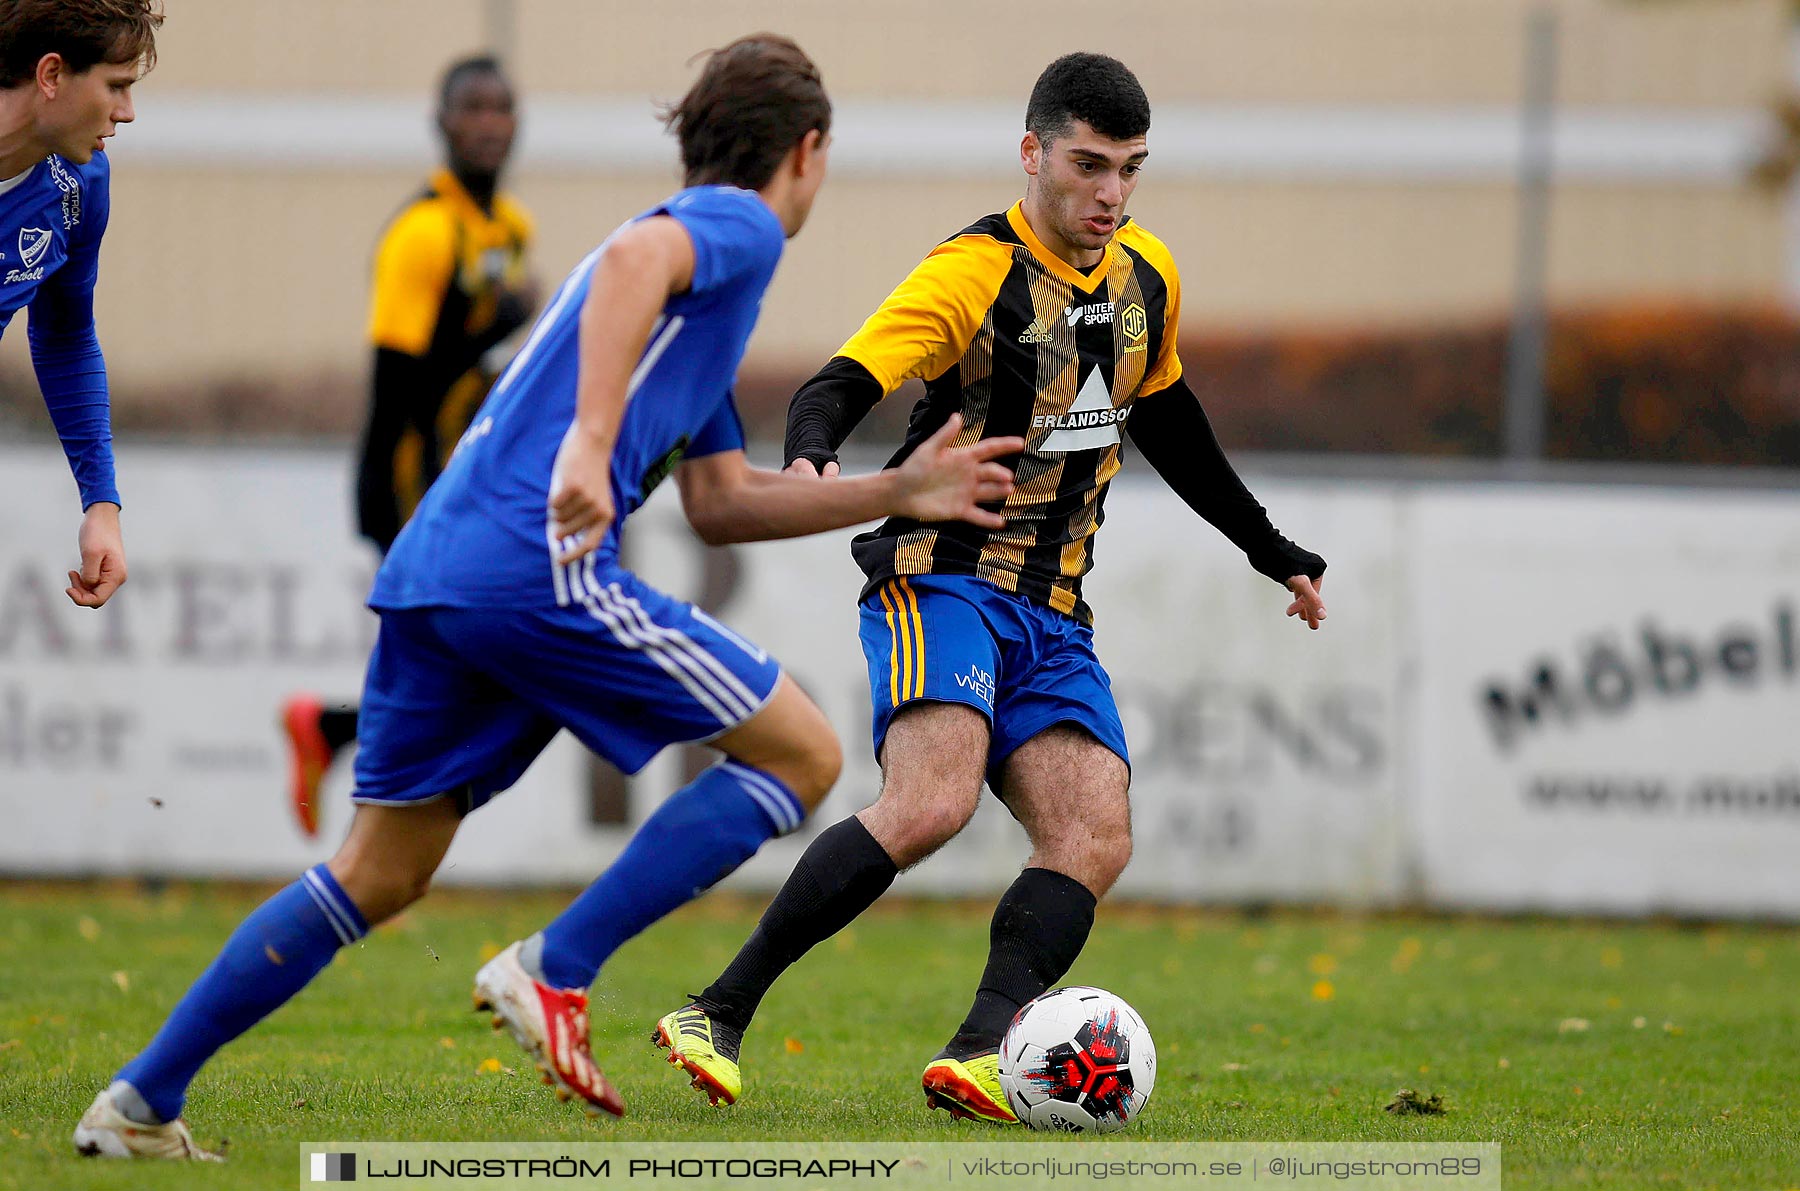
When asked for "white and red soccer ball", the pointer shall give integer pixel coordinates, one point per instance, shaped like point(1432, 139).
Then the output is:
point(1077, 1060)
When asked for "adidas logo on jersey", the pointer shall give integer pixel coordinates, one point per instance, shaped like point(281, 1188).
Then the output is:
point(1037, 332)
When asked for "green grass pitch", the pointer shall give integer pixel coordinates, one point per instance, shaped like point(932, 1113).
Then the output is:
point(1598, 1054)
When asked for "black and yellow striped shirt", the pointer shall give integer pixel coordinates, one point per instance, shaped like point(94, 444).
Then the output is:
point(1021, 342)
point(443, 273)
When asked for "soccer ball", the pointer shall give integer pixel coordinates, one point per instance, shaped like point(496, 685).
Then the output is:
point(1077, 1060)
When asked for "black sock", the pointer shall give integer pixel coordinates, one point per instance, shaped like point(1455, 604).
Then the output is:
point(1039, 928)
point(842, 874)
point(338, 725)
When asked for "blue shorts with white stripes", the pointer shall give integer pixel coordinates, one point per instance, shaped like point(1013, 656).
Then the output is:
point(463, 699)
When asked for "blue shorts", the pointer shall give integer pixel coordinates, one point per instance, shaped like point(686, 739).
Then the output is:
point(960, 639)
point(462, 700)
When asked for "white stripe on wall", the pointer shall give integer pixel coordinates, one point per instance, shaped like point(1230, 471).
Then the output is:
point(615, 134)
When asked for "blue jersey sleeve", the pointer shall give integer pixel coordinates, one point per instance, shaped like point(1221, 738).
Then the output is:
point(736, 236)
point(724, 431)
point(65, 351)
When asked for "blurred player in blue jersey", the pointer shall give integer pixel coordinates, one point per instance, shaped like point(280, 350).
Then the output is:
point(66, 72)
point(506, 615)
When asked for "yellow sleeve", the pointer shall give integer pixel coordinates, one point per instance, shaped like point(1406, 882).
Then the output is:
point(926, 324)
point(1165, 370)
point(413, 266)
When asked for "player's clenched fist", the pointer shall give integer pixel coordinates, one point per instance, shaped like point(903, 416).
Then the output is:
point(102, 557)
point(939, 482)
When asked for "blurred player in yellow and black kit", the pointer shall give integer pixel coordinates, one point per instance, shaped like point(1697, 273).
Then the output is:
point(1056, 321)
point(449, 284)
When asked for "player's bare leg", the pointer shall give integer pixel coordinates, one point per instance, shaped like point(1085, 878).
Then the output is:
point(791, 739)
point(932, 767)
point(1069, 792)
point(387, 861)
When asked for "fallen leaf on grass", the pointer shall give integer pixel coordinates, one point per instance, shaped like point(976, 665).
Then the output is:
point(794, 1045)
point(1231, 1067)
point(88, 928)
point(1573, 1025)
point(123, 980)
point(1407, 1101)
point(447, 1043)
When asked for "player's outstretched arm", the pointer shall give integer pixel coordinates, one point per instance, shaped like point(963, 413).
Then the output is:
point(1172, 431)
point(71, 371)
point(728, 501)
point(642, 266)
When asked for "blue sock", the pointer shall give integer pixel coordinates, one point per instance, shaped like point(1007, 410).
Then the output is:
point(700, 835)
point(271, 956)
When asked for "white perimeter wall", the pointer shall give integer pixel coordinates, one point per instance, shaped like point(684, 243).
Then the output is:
point(1556, 697)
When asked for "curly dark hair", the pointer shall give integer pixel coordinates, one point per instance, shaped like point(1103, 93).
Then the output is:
point(1099, 91)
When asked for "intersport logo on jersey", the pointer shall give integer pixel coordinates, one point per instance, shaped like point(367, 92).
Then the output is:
point(1092, 314)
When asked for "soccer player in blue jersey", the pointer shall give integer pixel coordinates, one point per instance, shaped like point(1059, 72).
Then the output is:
point(506, 615)
point(66, 72)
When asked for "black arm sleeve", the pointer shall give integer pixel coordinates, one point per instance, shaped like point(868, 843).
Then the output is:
point(510, 313)
point(399, 379)
point(1176, 438)
point(827, 408)
point(462, 353)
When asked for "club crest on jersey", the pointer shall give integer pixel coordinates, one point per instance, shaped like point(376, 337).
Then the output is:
point(34, 242)
point(1133, 321)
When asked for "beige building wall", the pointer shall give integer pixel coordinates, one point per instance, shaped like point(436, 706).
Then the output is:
point(258, 273)
point(1662, 52)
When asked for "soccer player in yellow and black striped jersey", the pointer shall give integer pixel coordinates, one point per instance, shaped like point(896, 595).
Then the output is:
point(449, 284)
point(1055, 320)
